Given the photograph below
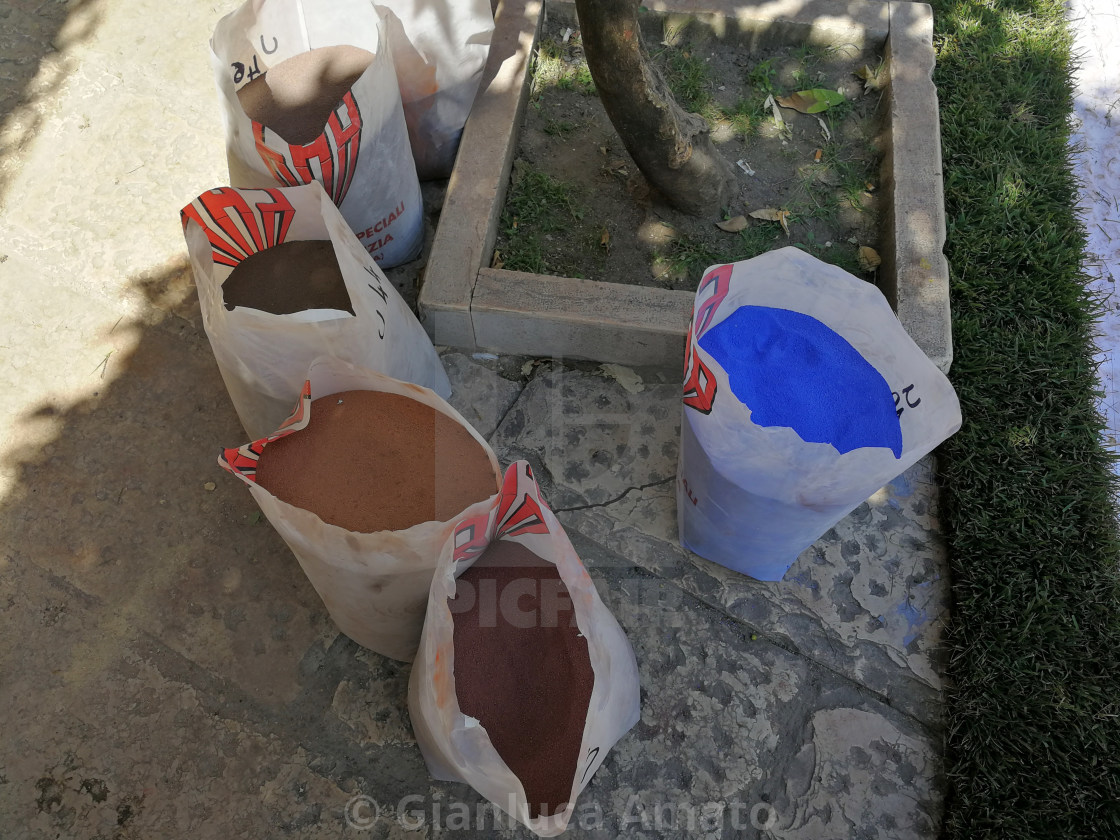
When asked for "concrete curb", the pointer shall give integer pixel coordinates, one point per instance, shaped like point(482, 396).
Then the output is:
point(465, 304)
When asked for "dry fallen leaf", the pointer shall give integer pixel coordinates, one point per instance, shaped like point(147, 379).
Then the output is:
point(769, 214)
point(824, 130)
point(775, 110)
point(817, 155)
point(733, 225)
point(868, 258)
point(617, 166)
point(497, 261)
point(605, 237)
point(811, 101)
point(873, 79)
point(625, 377)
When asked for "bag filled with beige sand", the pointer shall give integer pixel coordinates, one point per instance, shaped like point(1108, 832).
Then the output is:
point(281, 281)
point(523, 680)
point(365, 482)
point(309, 93)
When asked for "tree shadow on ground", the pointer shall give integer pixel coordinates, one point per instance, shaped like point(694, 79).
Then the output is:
point(138, 579)
point(34, 68)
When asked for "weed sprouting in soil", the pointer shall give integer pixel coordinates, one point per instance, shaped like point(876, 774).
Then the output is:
point(761, 78)
point(559, 128)
point(538, 205)
point(554, 66)
point(687, 75)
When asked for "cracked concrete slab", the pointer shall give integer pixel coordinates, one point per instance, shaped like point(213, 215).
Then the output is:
point(868, 600)
point(729, 719)
point(858, 772)
point(478, 391)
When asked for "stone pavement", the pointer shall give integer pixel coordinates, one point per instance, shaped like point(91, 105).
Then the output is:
point(167, 671)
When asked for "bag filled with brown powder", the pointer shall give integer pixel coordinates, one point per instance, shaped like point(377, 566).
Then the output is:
point(365, 483)
point(281, 281)
point(523, 680)
point(309, 93)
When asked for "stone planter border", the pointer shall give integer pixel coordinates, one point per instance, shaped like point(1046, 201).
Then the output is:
point(466, 304)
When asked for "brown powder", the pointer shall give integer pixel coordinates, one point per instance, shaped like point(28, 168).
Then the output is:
point(289, 277)
point(522, 669)
point(370, 461)
point(296, 97)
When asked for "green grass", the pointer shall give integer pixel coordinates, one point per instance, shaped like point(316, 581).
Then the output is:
point(538, 204)
point(553, 68)
point(747, 116)
point(691, 256)
point(1033, 747)
point(688, 78)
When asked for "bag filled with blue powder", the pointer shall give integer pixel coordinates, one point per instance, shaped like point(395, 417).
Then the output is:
point(803, 395)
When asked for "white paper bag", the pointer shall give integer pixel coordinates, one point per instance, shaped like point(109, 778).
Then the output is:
point(456, 747)
point(803, 396)
point(363, 157)
point(264, 357)
point(374, 585)
point(439, 49)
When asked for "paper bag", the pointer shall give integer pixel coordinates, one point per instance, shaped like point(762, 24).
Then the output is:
point(374, 585)
point(526, 681)
point(263, 357)
point(360, 152)
point(803, 395)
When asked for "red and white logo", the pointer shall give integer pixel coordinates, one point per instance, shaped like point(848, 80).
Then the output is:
point(237, 228)
point(330, 158)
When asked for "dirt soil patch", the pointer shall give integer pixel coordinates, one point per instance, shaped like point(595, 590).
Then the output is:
point(578, 207)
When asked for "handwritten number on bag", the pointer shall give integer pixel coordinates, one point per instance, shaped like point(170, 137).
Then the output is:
point(898, 398)
point(239, 71)
point(379, 290)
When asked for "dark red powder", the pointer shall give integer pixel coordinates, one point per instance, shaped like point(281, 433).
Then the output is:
point(369, 461)
point(522, 668)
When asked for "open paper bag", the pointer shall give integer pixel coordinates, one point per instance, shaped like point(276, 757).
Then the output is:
point(564, 749)
point(375, 585)
point(263, 357)
point(803, 395)
point(352, 139)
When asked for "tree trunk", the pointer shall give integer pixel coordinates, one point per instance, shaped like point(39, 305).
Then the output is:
point(670, 146)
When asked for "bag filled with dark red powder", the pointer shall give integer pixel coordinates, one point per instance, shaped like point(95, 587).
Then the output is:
point(366, 482)
point(523, 679)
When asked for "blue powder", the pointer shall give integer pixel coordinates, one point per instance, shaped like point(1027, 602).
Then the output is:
point(791, 370)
